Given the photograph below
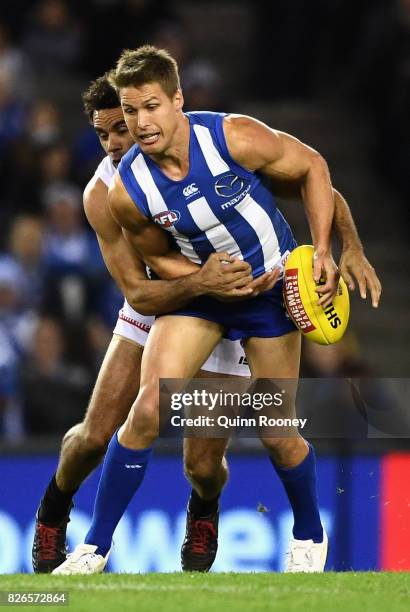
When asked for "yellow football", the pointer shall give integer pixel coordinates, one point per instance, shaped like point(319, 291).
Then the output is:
point(321, 325)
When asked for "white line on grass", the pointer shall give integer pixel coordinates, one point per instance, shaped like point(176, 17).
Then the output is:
point(84, 586)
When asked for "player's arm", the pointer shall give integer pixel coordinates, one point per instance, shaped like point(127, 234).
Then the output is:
point(125, 267)
point(280, 156)
point(353, 265)
point(159, 296)
point(147, 240)
point(128, 271)
point(153, 246)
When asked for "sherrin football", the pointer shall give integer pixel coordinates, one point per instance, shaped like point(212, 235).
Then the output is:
point(321, 325)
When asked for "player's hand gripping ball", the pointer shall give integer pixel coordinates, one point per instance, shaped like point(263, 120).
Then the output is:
point(322, 325)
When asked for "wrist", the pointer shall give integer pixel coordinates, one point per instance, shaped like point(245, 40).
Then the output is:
point(352, 244)
point(322, 249)
point(197, 285)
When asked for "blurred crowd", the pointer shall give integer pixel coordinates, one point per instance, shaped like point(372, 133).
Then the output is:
point(57, 302)
point(355, 53)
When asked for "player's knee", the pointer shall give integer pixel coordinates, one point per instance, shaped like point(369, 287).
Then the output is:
point(143, 420)
point(72, 433)
point(92, 440)
point(147, 426)
point(202, 469)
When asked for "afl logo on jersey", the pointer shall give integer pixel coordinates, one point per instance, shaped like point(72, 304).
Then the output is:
point(228, 185)
point(167, 218)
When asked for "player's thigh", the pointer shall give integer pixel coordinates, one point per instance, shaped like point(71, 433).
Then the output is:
point(274, 357)
point(212, 375)
point(277, 359)
point(116, 387)
point(177, 346)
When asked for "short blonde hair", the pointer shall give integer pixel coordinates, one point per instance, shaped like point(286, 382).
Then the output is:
point(146, 64)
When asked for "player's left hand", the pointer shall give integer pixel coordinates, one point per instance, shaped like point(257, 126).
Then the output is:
point(354, 266)
point(325, 267)
point(265, 282)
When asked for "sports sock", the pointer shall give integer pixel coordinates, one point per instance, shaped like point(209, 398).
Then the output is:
point(122, 473)
point(202, 507)
point(55, 504)
point(301, 489)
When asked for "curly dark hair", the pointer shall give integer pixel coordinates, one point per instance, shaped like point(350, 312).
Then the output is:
point(99, 95)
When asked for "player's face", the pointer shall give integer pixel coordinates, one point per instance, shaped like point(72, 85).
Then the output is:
point(151, 116)
point(113, 133)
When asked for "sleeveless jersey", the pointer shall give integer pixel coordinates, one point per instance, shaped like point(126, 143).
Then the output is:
point(227, 358)
point(218, 206)
point(105, 170)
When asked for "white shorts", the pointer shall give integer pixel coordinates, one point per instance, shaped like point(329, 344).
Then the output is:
point(133, 325)
point(228, 357)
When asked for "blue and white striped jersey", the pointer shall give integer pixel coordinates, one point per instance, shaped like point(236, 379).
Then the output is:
point(218, 206)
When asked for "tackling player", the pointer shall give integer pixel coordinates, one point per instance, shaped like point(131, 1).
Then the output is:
point(117, 384)
point(204, 158)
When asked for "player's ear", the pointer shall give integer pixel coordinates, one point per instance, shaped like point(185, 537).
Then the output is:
point(178, 100)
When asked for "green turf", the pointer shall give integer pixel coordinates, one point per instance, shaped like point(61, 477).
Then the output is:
point(330, 592)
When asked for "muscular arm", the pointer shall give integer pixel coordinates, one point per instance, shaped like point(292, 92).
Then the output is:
point(128, 271)
point(151, 243)
point(343, 223)
point(147, 240)
point(126, 268)
point(353, 265)
point(282, 157)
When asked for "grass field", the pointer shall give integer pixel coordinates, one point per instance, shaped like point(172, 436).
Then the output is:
point(329, 592)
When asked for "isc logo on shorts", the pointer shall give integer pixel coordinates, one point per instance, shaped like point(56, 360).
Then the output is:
point(167, 218)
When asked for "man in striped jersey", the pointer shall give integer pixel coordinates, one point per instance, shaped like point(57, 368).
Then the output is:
point(117, 385)
point(197, 176)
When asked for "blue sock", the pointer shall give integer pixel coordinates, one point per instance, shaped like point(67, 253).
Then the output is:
point(123, 472)
point(300, 486)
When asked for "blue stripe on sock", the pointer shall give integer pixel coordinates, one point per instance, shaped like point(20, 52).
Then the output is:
point(301, 488)
point(122, 473)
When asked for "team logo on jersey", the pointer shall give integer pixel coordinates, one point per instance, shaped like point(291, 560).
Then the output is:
point(190, 190)
point(228, 185)
point(167, 218)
